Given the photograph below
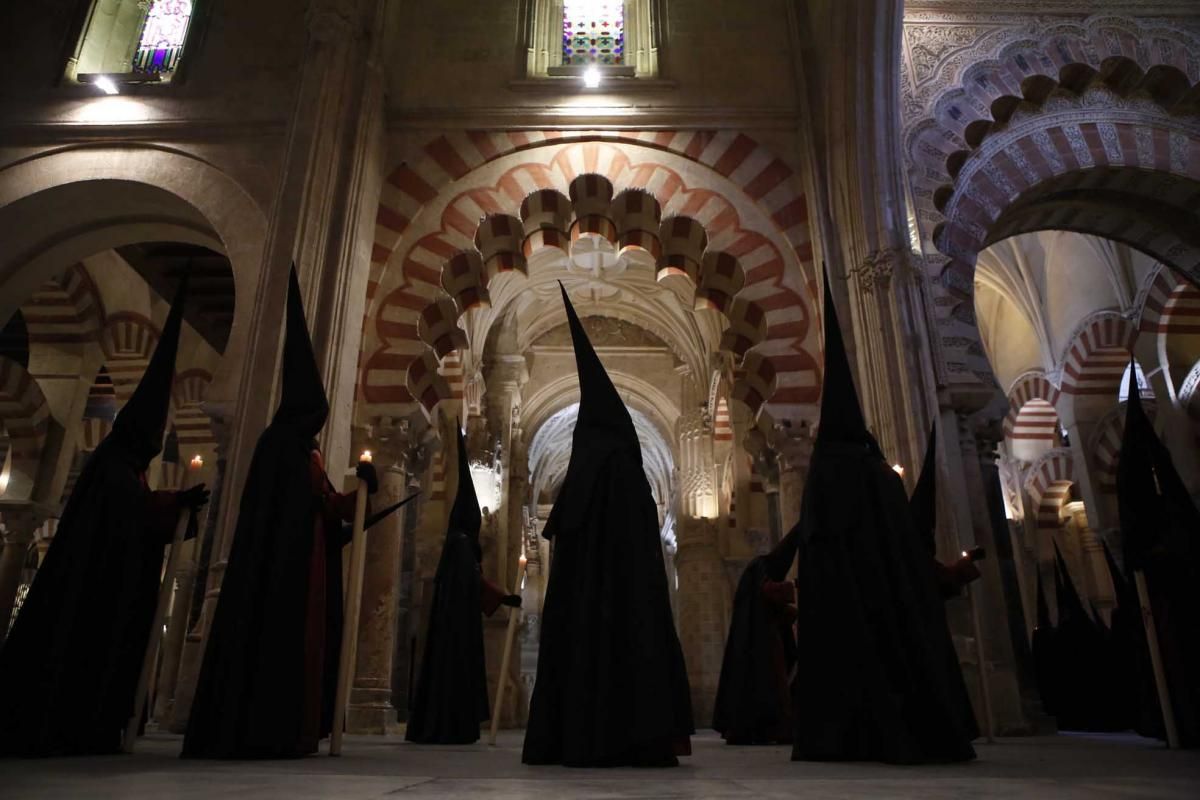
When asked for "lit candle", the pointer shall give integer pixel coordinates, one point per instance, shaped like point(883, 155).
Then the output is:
point(964, 553)
point(522, 561)
point(197, 462)
point(366, 456)
point(899, 470)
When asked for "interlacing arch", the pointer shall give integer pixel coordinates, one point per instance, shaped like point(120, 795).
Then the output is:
point(603, 186)
point(1056, 128)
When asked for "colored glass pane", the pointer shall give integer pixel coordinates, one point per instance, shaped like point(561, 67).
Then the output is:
point(163, 34)
point(593, 32)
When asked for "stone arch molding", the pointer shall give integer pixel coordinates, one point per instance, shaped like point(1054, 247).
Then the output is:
point(742, 249)
point(993, 110)
point(137, 192)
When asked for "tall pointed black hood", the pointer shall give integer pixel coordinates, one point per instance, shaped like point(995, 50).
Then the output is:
point(302, 401)
point(142, 421)
point(464, 514)
point(841, 414)
point(923, 502)
point(1156, 510)
point(602, 414)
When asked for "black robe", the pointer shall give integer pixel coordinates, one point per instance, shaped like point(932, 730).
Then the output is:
point(877, 677)
point(1160, 526)
point(267, 680)
point(752, 705)
point(451, 698)
point(1081, 698)
point(876, 681)
point(611, 685)
point(69, 667)
point(1044, 649)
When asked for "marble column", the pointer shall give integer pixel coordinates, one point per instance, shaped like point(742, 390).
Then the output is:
point(371, 708)
point(793, 452)
point(971, 462)
point(703, 601)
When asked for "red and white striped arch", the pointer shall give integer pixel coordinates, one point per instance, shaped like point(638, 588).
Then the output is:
point(64, 310)
point(1106, 444)
point(1098, 356)
point(128, 340)
point(1032, 414)
point(192, 425)
point(1048, 484)
point(748, 200)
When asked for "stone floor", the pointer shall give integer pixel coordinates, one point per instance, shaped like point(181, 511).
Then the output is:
point(1065, 766)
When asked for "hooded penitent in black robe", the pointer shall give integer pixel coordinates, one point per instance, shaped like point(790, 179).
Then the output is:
point(873, 681)
point(611, 687)
point(754, 704)
point(951, 578)
point(70, 666)
point(1160, 528)
point(1131, 680)
point(451, 698)
point(267, 681)
point(1081, 699)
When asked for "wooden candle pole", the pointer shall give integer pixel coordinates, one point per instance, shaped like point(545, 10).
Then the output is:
point(514, 614)
point(985, 691)
point(1160, 675)
point(160, 614)
point(358, 561)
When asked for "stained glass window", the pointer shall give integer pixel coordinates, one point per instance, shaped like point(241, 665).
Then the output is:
point(163, 35)
point(593, 32)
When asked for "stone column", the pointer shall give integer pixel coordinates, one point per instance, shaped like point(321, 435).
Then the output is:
point(976, 494)
point(1096, 583)
point(703, 603)
point(793, 453)
point(371, 708)
point(18, 535)
point(208, 569)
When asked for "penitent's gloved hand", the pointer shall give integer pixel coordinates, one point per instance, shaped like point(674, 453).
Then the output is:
point(366, 471)
point(193, 498)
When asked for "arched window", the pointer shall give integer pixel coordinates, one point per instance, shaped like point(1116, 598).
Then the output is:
point(593, 32)
point(620, 38)
point(132, 41)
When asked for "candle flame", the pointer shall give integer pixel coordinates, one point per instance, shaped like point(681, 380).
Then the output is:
point(899, 470)
point(366, 456)
point(197, 462)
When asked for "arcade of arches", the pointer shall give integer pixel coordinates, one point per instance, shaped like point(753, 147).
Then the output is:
point(1008, 202)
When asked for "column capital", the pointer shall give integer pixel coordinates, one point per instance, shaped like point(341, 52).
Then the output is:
point(330, 20)
point(878, 267)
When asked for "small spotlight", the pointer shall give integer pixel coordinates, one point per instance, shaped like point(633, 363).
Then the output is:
point(591, 78)
point(105, 84)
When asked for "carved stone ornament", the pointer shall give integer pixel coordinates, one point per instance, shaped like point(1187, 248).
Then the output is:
point(877, 269)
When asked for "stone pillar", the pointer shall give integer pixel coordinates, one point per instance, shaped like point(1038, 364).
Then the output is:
point(1097, 585)
point(976, 492)
point(703, 602)
point(18, 535)
point(207, 568)
point(371, 708)
point(793, 453)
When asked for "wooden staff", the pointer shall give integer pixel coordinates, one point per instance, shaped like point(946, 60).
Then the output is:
point(358, 561)
point(514, 614)
point(984, 690)
point(1160, 675)
point(160, 614)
